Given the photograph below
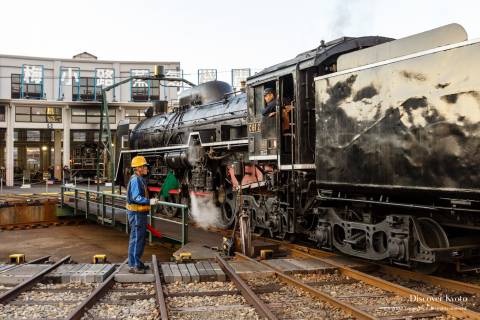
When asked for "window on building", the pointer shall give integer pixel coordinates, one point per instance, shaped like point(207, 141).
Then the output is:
point(38, 114)
point(16, 84)
point(139, 93)
point(79, 136)
point(155, 90)
point(142, 93)
point(86, 90)
point(33, 135)
point(91, 115)
point(2, 113)
point(54, 114)
point(134, 115)
point(30, 91)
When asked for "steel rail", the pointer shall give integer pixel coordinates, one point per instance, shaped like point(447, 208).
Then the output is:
point(96, 295)
point(159, 290)
point(449, 308)
point(433, 280)
point(29, 283)
point(357, 313)
point(246, 291)
point(39, 260)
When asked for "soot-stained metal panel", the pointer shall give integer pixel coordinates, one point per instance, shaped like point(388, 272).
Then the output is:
point(413, 123)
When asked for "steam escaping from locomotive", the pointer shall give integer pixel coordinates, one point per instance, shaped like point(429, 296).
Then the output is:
point(204, 211)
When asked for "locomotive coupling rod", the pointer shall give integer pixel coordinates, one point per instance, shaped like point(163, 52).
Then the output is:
point(246, 291)
point(27, 284)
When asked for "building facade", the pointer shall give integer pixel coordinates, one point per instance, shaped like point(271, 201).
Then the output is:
point(50, 110)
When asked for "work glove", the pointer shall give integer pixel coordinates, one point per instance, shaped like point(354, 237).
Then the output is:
point(153, 201)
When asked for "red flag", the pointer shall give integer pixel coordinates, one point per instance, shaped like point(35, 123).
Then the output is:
point(153, 231)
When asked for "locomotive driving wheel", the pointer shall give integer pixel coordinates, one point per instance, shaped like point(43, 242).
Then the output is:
point(434, 237)
point(168, 211)
point(227, 201)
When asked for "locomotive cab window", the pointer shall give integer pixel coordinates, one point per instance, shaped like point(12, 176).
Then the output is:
point(259, 92)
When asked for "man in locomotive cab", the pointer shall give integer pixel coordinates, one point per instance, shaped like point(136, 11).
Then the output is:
point(270, 103)
point(138, 207)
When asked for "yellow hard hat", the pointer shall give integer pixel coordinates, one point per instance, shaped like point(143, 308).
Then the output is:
point(138, 161)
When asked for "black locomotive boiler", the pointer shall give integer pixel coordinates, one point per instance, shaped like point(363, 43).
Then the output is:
point(372, 151)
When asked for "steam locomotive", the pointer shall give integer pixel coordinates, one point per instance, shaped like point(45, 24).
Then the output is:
point(372, 151)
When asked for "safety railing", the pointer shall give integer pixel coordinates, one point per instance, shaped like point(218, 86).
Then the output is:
point(105, 201)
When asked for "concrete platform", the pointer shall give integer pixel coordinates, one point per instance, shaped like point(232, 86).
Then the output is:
point(123, 276)
point(18, 275)
point(248, 269)
point(291, 266)
point(197, 250)
point(5, 266)
point(84, 273)
point(192, 272)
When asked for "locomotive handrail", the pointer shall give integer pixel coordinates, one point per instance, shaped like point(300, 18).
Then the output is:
point(100, 202)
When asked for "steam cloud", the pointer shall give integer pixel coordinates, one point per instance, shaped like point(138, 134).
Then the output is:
point(341, 18)
point(194, 155)
point(204, 211)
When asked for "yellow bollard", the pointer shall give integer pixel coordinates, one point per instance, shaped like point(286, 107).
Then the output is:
point(266, 254)
point(17, 258)
point(99, 258)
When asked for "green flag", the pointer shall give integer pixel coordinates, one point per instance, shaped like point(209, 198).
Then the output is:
point(170, 183)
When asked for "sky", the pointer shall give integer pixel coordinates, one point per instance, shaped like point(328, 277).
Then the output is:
point(212, 33)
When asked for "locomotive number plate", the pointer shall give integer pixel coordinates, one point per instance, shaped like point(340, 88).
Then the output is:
point(254, 127)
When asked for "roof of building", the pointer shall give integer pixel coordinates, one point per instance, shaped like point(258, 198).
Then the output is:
point(85, 55)
point(11, 56)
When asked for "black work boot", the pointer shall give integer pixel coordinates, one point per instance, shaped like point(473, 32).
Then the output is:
point(136, 270)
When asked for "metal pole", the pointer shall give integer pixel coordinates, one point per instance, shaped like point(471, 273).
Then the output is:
point(46, 186)
point(88, 183)
point(184, 232)
point(76, 202)
point(87, 202)
point(103, 208)
point(150, 222)
point(61, 197)
point(113, 209)
point(1, 183)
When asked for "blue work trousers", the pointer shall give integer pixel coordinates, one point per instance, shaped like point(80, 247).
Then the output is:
point(138, 236)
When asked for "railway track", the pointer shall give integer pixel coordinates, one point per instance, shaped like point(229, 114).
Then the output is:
point(356, 298)
point(335, 291)
point(340, 293)
point(40, 298)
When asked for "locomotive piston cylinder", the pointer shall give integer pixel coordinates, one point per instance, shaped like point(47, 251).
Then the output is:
point(177, 160)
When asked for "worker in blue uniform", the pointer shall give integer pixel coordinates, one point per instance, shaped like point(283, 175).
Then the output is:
point(138, 207)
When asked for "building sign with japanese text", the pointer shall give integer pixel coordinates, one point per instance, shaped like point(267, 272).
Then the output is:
point(69, 76)
point(205, 75)
point(139, 83)
point(104, 77)
point(239, 75)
